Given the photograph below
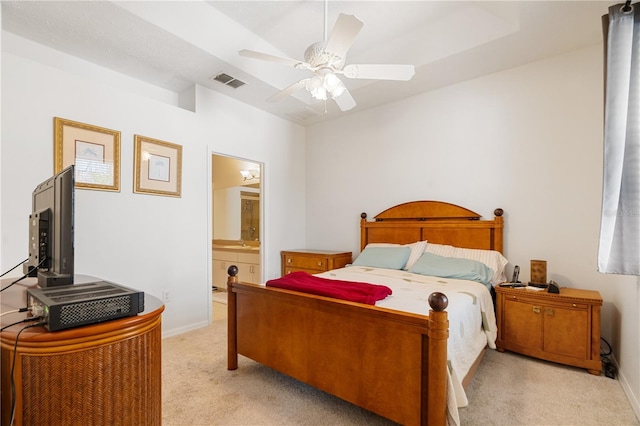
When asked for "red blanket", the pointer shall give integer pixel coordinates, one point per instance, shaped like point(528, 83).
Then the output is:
point(345, 290)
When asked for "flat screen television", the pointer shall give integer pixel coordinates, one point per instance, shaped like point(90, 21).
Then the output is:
point(51, 231)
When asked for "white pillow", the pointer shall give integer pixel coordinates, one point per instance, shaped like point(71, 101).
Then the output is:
point(440, 249)
point(417, 249)
point(492, 258)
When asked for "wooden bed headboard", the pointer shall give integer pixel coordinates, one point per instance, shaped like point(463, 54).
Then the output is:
point(434, 221)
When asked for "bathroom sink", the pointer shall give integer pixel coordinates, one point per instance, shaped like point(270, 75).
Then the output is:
point(237, 247)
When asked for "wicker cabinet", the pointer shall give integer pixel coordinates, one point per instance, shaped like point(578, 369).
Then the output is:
point(102, 374)
point(313, 261)
point(563, 328)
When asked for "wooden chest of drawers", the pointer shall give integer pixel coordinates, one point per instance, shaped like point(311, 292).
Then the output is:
point(313, 261)
point(563, 328)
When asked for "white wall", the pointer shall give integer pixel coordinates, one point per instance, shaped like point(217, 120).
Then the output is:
point(148, 242)
point(528, 140)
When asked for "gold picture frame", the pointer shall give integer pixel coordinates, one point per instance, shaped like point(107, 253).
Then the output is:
point(94, 150)
point(158, 167)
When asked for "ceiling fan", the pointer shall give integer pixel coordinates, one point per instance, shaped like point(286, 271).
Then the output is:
point(326, 61)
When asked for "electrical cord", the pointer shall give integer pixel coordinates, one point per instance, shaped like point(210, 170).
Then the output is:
point(608, 367)
point(608, 352)
point(14, 311)
point(20, 322)
point(5, 273)
point(24, 276)
point(13, 366)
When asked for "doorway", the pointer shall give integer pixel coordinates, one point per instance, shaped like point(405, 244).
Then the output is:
point(236, 220)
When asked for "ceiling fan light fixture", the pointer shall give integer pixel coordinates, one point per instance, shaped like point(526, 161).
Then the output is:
point(331, 82)
point(319, 93)
point(321, 84)
point(338, 90)
point(313, 83)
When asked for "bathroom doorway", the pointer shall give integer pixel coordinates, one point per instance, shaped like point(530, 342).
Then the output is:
point(236, 219)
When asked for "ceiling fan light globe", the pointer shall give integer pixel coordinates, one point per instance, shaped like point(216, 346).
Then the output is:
point(331, 82)
point(337, 91)
point(313, 83)
point(319, 93)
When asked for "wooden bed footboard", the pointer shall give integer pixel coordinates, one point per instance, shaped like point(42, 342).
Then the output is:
point(389, 362)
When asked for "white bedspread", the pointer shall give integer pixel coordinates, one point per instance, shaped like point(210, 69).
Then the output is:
point(472, 322)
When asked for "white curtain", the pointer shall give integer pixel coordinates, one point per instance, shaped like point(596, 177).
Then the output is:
point(619, 250)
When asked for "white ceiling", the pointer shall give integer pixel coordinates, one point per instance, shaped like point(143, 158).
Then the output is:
point(174, 44)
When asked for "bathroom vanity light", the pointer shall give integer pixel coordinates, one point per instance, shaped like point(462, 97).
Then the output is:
point(250, 174)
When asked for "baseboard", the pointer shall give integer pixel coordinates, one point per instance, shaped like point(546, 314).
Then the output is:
point(180, 330)
point(633, 399)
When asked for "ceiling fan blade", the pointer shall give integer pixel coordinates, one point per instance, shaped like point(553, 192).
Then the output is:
point(343, 35)
point(345, 101)
point(272, 58)
point(379, 71)
point(289, 90)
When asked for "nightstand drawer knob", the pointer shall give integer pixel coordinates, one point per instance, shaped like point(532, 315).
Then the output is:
point(319, 263)
point(536, 309)
point(289, 260)
point(548, 311)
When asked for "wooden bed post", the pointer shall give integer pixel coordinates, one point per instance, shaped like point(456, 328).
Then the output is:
point(437, 355)
point(232, 337)
point(498, 230)
point(363, 234)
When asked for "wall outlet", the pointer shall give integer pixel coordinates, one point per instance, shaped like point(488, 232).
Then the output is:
point(166, 297)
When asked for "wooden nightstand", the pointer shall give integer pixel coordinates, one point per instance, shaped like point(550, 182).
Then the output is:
point(313, 261)
point(563, 328)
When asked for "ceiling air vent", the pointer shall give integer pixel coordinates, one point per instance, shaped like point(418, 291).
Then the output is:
point(227, 80)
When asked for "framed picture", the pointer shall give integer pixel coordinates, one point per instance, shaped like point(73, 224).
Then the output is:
point(94, 150)
point(158, 167)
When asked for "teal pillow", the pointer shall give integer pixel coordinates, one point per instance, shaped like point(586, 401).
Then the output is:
point(383, 257)
point(452, 267)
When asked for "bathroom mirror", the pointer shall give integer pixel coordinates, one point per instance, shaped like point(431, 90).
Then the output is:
point(236, 200)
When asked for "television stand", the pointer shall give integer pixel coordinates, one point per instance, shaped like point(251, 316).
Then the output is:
point(106, 373)
point(49, 279)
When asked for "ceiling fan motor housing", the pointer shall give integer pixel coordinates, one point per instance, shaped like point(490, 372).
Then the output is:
point(316, 56)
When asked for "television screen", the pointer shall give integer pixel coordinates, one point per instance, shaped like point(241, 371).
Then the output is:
point(51, 253)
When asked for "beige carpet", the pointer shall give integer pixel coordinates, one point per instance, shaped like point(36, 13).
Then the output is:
point(219, 296)
point(517, 390)
point(507, 389)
